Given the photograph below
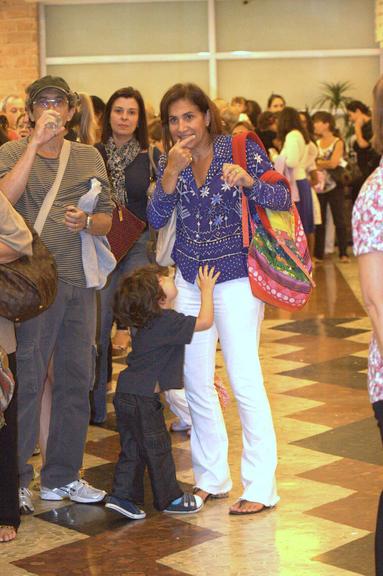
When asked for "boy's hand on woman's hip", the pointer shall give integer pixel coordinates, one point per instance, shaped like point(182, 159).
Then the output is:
point(207, 278)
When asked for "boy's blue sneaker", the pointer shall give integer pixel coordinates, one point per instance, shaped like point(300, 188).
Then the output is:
point(125, 507)
point(187, 504)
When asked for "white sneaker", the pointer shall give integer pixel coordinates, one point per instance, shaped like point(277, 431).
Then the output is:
point(77, 491)
point(25, 501)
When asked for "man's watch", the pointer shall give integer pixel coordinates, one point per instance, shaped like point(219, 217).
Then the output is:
point(89, 220)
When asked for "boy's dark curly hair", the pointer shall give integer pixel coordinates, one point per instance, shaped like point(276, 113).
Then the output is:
point(137, 301)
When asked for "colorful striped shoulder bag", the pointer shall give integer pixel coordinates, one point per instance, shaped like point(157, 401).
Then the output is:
point(279, 263)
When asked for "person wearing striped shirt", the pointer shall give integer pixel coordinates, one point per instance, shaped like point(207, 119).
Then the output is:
point(66, 331)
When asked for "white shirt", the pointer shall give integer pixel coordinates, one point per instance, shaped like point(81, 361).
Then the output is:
point(295, 152)
point(312, 155)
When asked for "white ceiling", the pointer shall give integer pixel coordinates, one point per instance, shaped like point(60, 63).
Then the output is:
point(63, 2)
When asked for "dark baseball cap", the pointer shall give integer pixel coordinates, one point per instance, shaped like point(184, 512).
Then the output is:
point(41, 84)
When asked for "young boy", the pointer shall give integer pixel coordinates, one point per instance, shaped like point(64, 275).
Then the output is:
point(159, 335)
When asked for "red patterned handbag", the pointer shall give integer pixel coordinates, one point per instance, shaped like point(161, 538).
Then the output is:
point(125, 231)
point(279, 263)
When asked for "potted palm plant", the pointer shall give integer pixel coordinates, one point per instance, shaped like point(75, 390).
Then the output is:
point(335, 99)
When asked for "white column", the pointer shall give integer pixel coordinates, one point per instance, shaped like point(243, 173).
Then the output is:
point(42, 40)
point(213, 81)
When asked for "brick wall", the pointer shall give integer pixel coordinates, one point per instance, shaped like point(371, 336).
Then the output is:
point(19, 52)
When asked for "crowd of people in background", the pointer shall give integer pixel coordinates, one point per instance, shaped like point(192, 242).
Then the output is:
point(328, 168)
point(121, 143)
point(314, 153)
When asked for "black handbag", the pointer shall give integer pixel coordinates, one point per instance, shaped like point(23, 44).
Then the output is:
point(338, 174)
point(28, 285)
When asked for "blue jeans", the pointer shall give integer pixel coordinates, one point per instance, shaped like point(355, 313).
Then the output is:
point(135, 258)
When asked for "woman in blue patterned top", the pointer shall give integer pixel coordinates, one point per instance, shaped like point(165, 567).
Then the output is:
point(198, 179)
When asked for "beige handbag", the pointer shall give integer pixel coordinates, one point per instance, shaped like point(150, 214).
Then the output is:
point(165, 241)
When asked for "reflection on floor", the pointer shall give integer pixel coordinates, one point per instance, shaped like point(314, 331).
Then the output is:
point(329, 473)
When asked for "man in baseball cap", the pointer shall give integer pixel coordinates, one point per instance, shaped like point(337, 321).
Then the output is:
point(41, 84)
point(66, 331)
point(51, 92)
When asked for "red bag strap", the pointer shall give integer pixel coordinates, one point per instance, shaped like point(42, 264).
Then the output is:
point(238, 143)
point(239, 146)
point(239, 156)
point(245, 222)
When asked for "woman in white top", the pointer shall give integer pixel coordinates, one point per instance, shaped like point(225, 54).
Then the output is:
point(329, 162)
point(295, 153)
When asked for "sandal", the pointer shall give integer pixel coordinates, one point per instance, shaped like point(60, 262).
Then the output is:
point(208, 495)
point(179, 426)
point(121, 342)
point(186, 504)
point(8, 531)
point(119, 351)
point(241, 512)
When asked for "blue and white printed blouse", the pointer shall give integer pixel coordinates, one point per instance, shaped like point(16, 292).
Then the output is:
point(209, 226)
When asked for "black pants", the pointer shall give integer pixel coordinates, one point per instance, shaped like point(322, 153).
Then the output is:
point(379, 539)
point(9, 478)
point(356, 186)
point(378, 411)
point(145, 442)
point(335, 198)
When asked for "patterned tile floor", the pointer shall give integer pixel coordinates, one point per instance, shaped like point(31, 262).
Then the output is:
point(329, 472)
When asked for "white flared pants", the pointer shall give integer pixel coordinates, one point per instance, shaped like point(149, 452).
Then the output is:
point(237, 321)
point(178, 405)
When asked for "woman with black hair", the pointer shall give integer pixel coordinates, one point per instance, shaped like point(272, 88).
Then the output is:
point(275, 103)
point(267, 130)
point(253, 110)
point(330, 158)
point(200, 181)
point(99, 111)
point(367, 158)
point(125, 150)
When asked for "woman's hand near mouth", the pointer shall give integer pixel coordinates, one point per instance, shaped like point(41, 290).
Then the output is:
point(178, 159)
point(180, 155)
